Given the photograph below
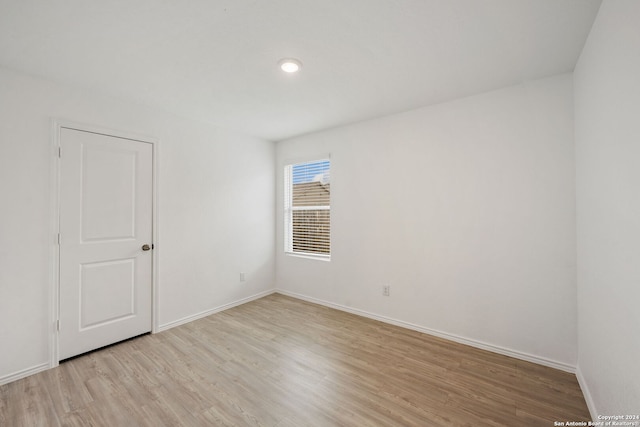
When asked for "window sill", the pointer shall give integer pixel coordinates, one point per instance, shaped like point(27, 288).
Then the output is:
point(325, 258)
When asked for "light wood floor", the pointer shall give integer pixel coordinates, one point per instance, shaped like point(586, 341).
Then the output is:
point(283, 362)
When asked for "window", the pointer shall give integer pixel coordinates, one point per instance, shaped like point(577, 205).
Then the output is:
point(307, 208)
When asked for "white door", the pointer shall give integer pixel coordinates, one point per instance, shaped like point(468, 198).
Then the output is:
point(106, 194)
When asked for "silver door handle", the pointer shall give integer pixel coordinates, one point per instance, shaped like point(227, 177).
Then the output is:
point(146, 247)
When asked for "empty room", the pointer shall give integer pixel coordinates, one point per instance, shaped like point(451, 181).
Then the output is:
point(319, 213)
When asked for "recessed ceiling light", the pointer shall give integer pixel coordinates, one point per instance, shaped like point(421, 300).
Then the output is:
point(290, 65)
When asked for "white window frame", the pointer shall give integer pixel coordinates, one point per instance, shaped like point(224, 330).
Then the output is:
point(289, 209)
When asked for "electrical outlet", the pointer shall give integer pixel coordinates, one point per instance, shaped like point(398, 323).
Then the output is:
point(242, 277)
point(386, 289)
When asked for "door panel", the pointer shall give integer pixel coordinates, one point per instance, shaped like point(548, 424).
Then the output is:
point(106, 189)
point(108, 193)
point(107, 292)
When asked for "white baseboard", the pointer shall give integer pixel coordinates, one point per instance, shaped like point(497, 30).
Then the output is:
point(44, 366)
point(211, 311)
point(6, 379)
point(451, 337)
point(587, 394)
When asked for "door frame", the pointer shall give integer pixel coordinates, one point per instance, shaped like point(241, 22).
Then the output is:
point(54, 185)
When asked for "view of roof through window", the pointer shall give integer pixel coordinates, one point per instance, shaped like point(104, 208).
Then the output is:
point(317, 171)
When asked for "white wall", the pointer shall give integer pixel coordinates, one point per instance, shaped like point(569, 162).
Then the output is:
point(467, 209)
point(216, 211)
point(607, 131)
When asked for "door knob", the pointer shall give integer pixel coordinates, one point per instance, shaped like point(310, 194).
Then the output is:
point(146, 247)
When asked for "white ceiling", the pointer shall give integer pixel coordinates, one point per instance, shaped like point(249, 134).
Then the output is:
point(216, 60)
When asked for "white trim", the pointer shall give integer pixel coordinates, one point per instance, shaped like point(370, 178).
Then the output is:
point(587, 394)
point(451, 337)
point(63, 123)
point(56, 126)
point(155, 253)
point(308, 255)
point(54, 249)
point(310, 208)
point(214, 310)
point(24, 373)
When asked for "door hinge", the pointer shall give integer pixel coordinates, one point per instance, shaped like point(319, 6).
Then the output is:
point(59, 151)
point(58, 238)
point(58, 325)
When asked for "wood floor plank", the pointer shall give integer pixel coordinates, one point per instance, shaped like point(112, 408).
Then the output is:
point(282, 362)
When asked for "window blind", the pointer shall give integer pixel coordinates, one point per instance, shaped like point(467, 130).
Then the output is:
point(307, 210)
